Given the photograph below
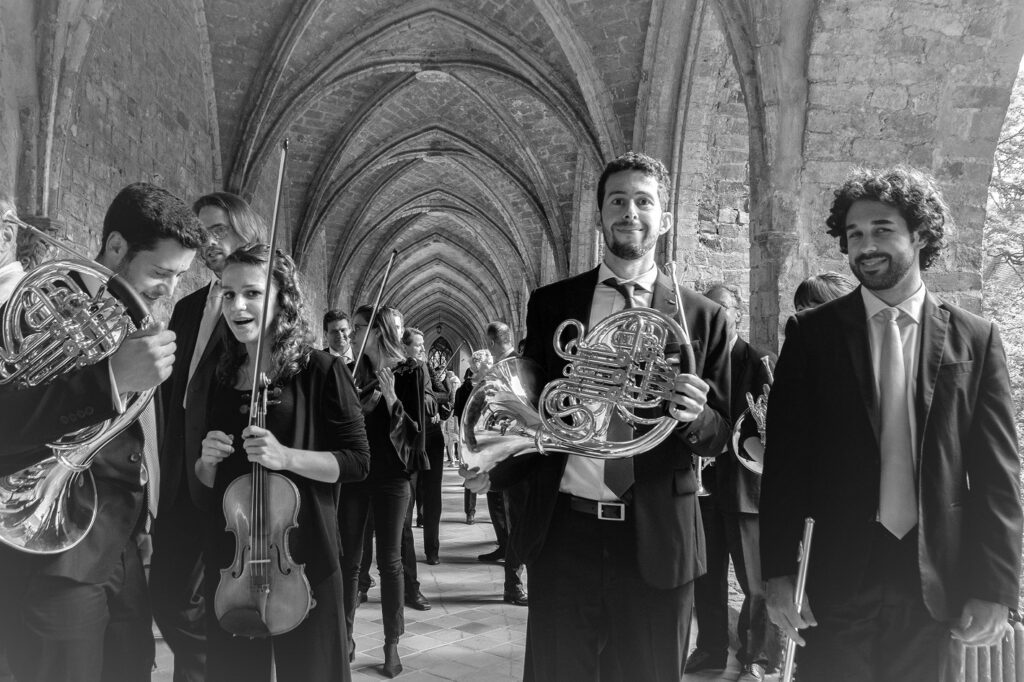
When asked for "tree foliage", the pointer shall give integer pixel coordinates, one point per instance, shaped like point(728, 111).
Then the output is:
point(1003, 267)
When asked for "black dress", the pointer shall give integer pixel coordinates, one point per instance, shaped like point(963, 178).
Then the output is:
point(316, 410)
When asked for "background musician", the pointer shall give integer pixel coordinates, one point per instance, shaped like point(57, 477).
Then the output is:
point(890, 423)
point(84, 614)
point(729, 515)
point(395, 415)
point(175, 576)
point(611, 596)
point(479, 362)
point(314, 437)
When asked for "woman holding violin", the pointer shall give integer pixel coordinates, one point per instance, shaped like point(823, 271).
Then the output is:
point(310, 439)
point(391, 388)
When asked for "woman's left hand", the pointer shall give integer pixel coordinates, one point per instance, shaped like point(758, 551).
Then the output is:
point(262, 447)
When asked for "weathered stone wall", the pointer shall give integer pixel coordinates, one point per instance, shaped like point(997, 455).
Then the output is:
point(18, 96)
point(138, 113)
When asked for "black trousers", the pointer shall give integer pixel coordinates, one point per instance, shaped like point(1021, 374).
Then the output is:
point(176, 588)
point(592, 616)
point(513, 500)
point(429, 493)
point(883, 631)
point(77, 632)
point(737, 535)
point(315, 651)
point(408, 548)
point(391, 503)
point(469, 502)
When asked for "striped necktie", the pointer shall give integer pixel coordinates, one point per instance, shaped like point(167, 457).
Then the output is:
point(897, 504)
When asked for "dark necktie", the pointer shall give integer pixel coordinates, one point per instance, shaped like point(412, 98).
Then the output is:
point(618, 473)
point(625, 288)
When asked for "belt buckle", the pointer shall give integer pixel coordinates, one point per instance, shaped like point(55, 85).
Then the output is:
point(611, 511)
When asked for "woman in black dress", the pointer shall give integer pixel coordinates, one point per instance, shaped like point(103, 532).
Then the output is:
point(314, 437)
point(392, 389)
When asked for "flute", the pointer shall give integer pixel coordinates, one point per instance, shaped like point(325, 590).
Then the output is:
point(798, 596)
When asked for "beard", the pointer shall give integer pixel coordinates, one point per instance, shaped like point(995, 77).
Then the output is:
point(632, 250)
point(899, 266)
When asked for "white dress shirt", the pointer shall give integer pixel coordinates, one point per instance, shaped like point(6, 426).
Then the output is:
point(584, 476)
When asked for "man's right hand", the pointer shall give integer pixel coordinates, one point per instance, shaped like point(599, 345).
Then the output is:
point(476, 481)
point(144, 360)
point(779, 593)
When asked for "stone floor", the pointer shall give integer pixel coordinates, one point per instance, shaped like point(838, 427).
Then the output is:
point(470, 633)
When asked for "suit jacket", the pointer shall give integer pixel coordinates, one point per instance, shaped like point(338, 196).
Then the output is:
point(738, 489)
point(184, 430)
point(823, 458)
point(670, 537)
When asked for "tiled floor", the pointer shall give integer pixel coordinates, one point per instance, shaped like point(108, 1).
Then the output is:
point(470, 633)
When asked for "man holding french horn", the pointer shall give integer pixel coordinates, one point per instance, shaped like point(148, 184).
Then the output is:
point(78, 611)
point(612, 542)
point(890, 423)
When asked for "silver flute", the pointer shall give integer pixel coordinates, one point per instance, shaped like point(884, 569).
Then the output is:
point(798, 596)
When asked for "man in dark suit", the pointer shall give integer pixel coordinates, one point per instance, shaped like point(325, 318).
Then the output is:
point(480, 362)
point(729, 514)
point(83, 614)
point(176, 568)
point(612, 547)
point(890, 423)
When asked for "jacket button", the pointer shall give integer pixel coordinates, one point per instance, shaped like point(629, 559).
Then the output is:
point(135, 457)
point(692, 438)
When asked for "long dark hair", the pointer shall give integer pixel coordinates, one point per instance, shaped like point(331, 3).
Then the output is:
point(291, 336)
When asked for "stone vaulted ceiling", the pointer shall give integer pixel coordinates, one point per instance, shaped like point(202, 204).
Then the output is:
point(452, 132)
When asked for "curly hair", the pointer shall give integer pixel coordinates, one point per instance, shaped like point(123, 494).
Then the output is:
point(647, 165)
point(913, 193)
point(291, 335)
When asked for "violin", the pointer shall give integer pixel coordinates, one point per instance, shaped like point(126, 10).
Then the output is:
point(368, 385)
point(263, 592)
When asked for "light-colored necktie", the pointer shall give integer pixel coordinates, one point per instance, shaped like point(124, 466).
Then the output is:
point(897, 493)
point(151, 457)
point(211, 313)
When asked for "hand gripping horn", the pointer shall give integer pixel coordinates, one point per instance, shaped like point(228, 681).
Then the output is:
point(51, 326)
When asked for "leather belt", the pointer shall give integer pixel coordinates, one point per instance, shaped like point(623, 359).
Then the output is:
point(604, 511)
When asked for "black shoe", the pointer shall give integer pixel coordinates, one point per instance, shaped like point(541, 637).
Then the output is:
point(419, 521)
point(433, 560)
point(470, 518)
point(362, 596)
point(392, 663)
point(516, 596)
point(417, 601)
point(752, 672)
point(700, 659)
point(494, 557)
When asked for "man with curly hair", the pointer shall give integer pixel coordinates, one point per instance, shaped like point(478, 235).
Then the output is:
point(890, 423)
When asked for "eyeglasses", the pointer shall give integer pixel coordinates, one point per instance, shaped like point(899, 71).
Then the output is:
point(218, 232)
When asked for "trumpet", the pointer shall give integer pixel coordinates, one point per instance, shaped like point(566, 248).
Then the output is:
point(52, 325)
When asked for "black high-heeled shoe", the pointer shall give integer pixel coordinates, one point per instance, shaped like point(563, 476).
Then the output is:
point(392, 663)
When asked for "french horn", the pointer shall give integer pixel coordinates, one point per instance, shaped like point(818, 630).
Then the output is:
point(619, 372)
point(53, 325)
point(748, 432)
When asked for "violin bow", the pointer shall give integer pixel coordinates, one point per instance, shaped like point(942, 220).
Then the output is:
point(257, 373)
point(376, 309)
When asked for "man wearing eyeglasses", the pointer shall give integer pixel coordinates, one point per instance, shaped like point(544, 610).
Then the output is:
point(176, 571)
point(337, 334)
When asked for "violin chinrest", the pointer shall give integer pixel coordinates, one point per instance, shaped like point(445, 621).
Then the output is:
point(244, 622)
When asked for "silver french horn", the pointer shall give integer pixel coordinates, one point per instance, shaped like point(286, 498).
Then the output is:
point(748, 433)
point(619, 369)
point(51, 325)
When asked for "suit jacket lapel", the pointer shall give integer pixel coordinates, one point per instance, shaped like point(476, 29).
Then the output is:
point(934, 326)
point(855, 329)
